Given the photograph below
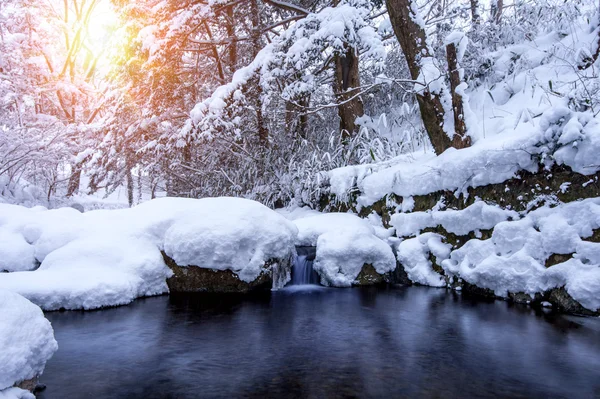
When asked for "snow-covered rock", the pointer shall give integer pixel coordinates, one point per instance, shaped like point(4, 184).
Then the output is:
point(514, 259)
point(229, 234)
point(93, 272)
point(345, 244)
point(414, 255)
point(479, 216)
point(16, 393)
point(26, 343)
point(110, 257)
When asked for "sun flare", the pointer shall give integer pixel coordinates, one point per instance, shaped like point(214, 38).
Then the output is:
point(102, 25)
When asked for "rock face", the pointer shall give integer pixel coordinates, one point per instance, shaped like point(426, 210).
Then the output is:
point(368, 276)
point(199, 279)
point(560, 298)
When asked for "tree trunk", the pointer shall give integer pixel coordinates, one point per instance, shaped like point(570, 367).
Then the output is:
point(232, 49)
point(129, 187)
point(460, 138)
point(496, 8)
point(347, 84)
point(475, 17)
point(74, 179)
point(263, 133)
point(412, 38)
point(296, 119)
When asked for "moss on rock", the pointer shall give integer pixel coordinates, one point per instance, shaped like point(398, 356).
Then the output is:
point(199, 279)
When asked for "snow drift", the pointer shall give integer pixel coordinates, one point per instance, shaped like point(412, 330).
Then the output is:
point(110, 257)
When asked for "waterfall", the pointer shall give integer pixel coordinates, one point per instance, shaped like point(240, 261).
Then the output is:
point(302, 268)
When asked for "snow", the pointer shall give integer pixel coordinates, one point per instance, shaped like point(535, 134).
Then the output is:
point(414, 254)
point(110, 257)
point(342, 255)
point(26, 342)
point(479, 216)
point(230, 233)
point(312, 227)
point(16, 393)
point(93, 272)
point(513, 260)
point(514, 125)
point(345, 243)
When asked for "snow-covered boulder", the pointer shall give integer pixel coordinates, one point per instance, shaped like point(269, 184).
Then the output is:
point(348, 250)
point(110, 257)
point(230, 234)
point(26, 343)
point(518, 258)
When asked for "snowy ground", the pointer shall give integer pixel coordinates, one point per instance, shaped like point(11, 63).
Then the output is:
point(110, 257)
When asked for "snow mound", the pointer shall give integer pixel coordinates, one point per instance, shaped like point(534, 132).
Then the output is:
point(230, 234)
point(312, 227)
point(479, 216)
point(514, 258)
point(110, 257)
point(345, 243)
point(26, 343)
point(16, 393)
point(414, 255)
point(93, 272)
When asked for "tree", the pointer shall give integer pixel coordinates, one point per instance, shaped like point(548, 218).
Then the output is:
point(432, 93)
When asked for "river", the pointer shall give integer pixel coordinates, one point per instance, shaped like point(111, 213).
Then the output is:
point(319, 343)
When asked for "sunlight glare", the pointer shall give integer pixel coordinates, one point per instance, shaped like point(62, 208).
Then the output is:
point(102, 25)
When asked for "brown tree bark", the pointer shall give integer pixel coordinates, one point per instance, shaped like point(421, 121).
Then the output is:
point(296, 119)
point(129, 187)
point(412, 38)
point(460, 138)
point(263, 133)
point(232, 48)
point(74, 179)
point(347, 84)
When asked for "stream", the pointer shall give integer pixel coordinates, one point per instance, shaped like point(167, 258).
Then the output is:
point(315, 342)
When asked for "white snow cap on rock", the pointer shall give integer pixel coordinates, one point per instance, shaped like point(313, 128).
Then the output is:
point(414, 253)
point(110, 257)
point(26, 342)
point(513, 260)
point(345, 243)
point(478, 216)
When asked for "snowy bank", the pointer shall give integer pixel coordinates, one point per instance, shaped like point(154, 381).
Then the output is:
point(110, 257)
point(345, 245)
point(26, 343)
point(556, 247)
point(520, 255)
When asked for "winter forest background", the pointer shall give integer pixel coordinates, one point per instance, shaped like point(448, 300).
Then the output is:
point(259, 98)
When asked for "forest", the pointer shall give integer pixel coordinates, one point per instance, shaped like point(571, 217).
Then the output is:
point(257, 99)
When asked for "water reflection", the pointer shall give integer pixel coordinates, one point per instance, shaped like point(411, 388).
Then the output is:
point(404, 342)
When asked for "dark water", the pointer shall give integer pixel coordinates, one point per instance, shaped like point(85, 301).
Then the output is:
point(386, 343)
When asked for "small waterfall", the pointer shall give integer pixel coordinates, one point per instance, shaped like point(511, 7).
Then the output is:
point(302, 268)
